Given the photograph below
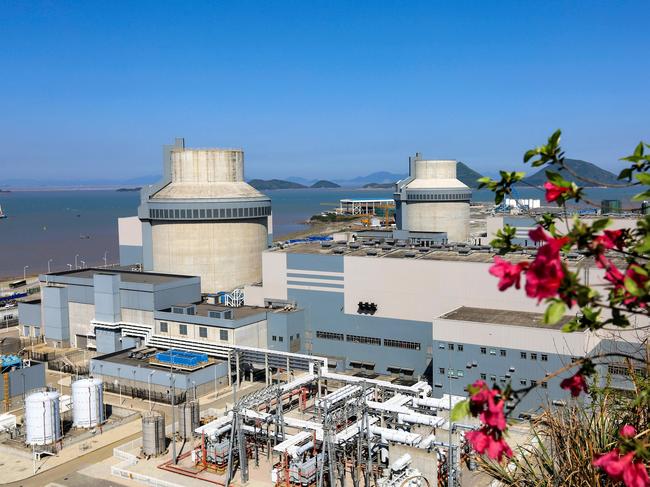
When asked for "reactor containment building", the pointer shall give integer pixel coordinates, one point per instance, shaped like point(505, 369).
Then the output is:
point(204, 220)
point(432, 200)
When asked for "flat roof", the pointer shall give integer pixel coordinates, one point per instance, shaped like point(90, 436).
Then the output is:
point(502, 317)
point(361, 200)
point(125, 275)
point(123, 358)
point(237, 313)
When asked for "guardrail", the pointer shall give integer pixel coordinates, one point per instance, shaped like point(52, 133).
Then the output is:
point(128, 460)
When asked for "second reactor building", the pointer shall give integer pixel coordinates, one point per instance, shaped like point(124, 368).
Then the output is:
point(432, 200)
point(204, 220)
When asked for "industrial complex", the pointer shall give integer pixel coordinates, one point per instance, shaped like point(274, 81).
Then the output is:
point(354, 346)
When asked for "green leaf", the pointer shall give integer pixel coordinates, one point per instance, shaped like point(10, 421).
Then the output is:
point(460, 411)
point(632, 287)
point(600, 224)
point(557, 179)
point(644, 178)
point(554, 312)
point(642, 196)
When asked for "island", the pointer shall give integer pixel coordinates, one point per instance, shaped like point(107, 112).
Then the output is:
point(324, 184)
point(123, 190)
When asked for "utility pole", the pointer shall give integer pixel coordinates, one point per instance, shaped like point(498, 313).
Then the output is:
point(173, 391)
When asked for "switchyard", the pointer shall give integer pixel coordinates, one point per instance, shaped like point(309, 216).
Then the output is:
point(326, 428)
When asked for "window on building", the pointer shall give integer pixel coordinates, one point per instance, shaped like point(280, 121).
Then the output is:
point(502, 353)
point(460, 373)
point(460, 348)
point(441, 346)
point(223, 335)
point(493, 351)
point(502, 379)
point(483, 377)
point(297, 336)
point(450, 372)
point(544, 357)
point(280, 338)
point(274, 338)
point(483, 350)
point(441, 370)
point(450, 346)
point(523, 382)
point(533, 356)
point(362, 339)
point(328, 335)
point(533, 382)
point(163, 327)
point(522, 354)
point(182, 329)
point(290, 338)
point(544, 385)
point(203, 332)
point(388, 342)
point(493, 378)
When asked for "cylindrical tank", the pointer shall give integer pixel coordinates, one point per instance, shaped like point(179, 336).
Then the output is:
point(42, 418)
point(153, 433)
point(435, 200)
point(87, 403)
point(207, 221)
point(190, 418)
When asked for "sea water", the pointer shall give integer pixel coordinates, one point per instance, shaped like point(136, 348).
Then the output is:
point(64, 226)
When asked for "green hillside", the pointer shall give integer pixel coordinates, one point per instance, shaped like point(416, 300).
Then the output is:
point(585, 169)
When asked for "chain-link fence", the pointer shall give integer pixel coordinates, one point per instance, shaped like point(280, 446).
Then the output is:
point(140, 393)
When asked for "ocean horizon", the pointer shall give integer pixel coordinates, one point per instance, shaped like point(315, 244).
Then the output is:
point(59, 225)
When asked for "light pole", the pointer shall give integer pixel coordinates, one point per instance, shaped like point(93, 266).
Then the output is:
point(70, 267)
point(172, 380)
point(106, 258)
point(119, 384)
point(48, 266)
point(83, 264)
point(76, 266)
point(149, 388)
point(25, 272)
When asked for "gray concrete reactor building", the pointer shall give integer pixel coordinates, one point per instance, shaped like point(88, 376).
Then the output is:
point(204, 220)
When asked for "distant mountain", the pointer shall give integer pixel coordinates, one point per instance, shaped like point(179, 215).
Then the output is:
point(26, 183)
point(269, 184)
point(378, 185)
point(583, 168)
point(467, 175)
point(375, 177)
point(324, 184)
point(299, 180)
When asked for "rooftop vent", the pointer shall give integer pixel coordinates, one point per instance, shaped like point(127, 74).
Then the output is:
point(371, 252)
point(184, 309)
point(409, 255)
point(338, 250)
point(354, 245)
point(222, 314)
point(464, 251)
point(326, 244)
point(367, 308)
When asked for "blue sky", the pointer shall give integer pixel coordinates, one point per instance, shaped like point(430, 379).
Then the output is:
point(317, 89)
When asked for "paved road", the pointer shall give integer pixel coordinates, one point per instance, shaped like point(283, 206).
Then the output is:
point(65, 474)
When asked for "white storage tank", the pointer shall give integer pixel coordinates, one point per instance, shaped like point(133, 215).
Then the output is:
point(87, 403)
point(42, 418)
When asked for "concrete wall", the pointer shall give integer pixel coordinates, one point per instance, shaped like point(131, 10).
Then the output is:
point(224, 254)
point(25, 379)
point(107, 297)
point(130, 240)
point(125, 375)
point(29, 314)
point(56, 320)
point(423, 289)
point(452, 218)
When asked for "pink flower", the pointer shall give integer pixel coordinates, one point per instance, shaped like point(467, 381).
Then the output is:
point(483, 441)
point(493, 416)
point(509, 274)
point(544, 275)
point(576, 384)
point(613, 464)
point(636, 475)
point(538, 235)
point(611, 238)
point(627, 431)
point(553, 191)
point(633, 474)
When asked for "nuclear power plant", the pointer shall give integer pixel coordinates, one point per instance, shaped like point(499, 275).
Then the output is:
point(204, 220)
point(433, 200)
point(359, 342)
